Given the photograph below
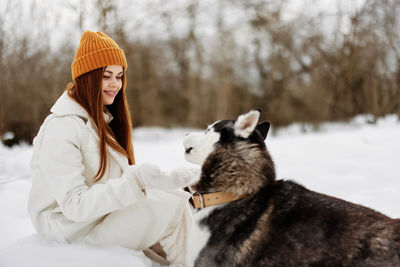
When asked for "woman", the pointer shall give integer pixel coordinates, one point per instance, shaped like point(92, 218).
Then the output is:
point(86, 187)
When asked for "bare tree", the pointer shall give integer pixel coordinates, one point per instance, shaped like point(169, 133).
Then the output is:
point(291, 68)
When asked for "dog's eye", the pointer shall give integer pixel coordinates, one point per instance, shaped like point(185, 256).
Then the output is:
point(207, 131)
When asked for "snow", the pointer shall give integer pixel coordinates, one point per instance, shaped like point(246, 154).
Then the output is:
point(33, 251)
point(356, 161)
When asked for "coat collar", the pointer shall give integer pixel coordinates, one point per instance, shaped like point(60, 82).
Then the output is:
point(65, 106)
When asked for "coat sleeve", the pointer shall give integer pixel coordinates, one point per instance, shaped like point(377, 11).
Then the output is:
point(60, 162)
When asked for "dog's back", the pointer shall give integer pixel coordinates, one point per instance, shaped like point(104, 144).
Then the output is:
point(284, 224)
point(277, 222)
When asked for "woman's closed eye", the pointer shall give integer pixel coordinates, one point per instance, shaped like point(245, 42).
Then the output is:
point(108, 77)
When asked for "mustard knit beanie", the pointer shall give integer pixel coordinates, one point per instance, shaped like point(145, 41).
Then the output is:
point(96, 50)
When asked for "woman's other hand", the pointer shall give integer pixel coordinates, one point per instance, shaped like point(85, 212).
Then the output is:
point(151, 176)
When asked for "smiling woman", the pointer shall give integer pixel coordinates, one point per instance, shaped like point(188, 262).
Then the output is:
point(86, 187)
point(91, 91)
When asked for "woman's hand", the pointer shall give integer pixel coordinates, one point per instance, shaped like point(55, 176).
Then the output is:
point(150, 176)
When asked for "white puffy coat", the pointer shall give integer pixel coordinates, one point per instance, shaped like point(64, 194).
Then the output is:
point(67, 206)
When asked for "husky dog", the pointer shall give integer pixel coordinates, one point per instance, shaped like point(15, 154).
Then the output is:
point(269, 222)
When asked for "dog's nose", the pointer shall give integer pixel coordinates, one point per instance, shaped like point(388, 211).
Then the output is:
point(187, 134)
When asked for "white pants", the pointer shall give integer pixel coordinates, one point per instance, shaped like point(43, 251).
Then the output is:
point(163, 217)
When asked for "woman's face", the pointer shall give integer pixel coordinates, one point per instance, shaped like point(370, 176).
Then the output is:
point(111, 83)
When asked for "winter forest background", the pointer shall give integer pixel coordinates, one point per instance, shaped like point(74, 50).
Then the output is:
point(194, 61)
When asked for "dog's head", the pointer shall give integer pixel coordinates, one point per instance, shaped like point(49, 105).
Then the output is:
point(232, 154)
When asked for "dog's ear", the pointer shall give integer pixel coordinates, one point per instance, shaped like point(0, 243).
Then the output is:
point(263, 128)
point(246, 123)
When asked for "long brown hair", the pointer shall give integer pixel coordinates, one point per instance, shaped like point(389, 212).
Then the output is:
point(86, 90)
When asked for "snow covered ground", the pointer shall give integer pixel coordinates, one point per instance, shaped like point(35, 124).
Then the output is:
point(357, 161)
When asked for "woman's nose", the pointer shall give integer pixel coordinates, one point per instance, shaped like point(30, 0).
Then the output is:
point(114, 81)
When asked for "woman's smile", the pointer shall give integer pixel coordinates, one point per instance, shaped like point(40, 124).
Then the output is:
point(111, 92)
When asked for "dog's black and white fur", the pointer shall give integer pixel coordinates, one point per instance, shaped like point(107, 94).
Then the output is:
point(278, 223)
